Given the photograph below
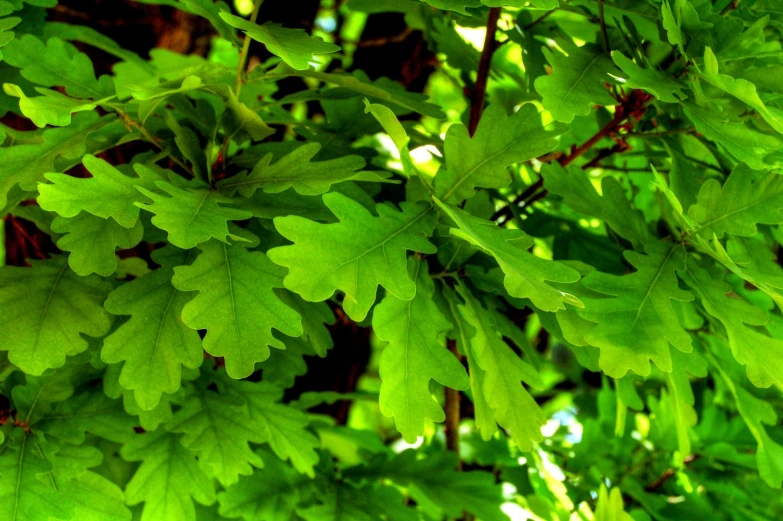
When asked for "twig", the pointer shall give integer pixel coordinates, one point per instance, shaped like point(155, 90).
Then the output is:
point(245, 49)
point(632, 108)
point(631, 170)
point(652, 135)
point(668, 473)
point(480, 88)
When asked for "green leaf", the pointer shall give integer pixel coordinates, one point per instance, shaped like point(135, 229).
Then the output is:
point(458, 6)
point(501, 371)
point(344, 502)
point(416, 353)
point(741, 89)
point(329, 257)
point(576, 83)
point(294, 46)
point(636, 322)
point(49, 307)
point(433, 479)
point(382, 89)
point(95, 498)
point(270, 494)
point(107, 194)
point(25, 495)
point(297, 171)
point(236, 304)
point(499, 141)
point(92, 242)
point(25, 164)
point(57, 64)
point(746, 145)
point(190, 216)
point(282, 426)
point(168, 480)
point(154, 342)
point(92, 412)
point(671, 24)
point(756, 413)
point(612, 207)
point(762, 354)
point(649, 79)
point(610, 506)
point(52, 108)
point(217, 429)
point(739, 205)
point(526, 274)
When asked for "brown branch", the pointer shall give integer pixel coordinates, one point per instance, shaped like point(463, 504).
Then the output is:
point(452, 412)
point(480, 88)
point(729, 8)
point(668, 473)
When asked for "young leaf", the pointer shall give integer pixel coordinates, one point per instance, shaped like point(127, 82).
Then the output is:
point(526, 274)
point(236, 304)
point(500, 140)
point(49, 306)
point(416, 353)
point(329, 257)
point(190, 216)
point(637, 322)
point(153, 342)
point(108, 193)
point(294, 46)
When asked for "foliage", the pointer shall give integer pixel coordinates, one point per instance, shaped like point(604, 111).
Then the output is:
point(534, 274)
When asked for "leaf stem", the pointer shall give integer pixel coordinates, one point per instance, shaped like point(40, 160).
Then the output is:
point(245, 49)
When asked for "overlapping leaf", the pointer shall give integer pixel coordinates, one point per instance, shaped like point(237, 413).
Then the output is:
point(636, 322)
point(355, 255)
point(108, 193)
point(294, 46)
point(297, 171)
point(526, 274)
point(500, 140)
point(416, 353)
point(48, 308)
point(762, 354)
point(236, 304)
point(190, 216)
point(577, 82)
point(154, 342)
